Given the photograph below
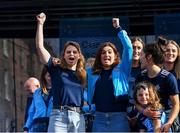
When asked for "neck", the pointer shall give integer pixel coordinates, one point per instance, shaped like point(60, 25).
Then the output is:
point(153, 71)
point(135, 63)
point(168, 66)
point(72, 67)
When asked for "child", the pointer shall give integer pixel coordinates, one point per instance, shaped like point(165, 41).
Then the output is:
point(145, 95)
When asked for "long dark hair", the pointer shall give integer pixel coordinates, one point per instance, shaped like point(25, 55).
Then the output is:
point(97, 67)
point(43, 80)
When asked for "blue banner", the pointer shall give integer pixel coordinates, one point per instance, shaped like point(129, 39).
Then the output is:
point(90, 33)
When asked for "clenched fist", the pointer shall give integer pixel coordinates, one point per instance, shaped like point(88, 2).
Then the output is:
point(41, 18)
point(115, 22)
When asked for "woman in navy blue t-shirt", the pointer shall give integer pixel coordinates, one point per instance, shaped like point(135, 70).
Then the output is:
point(68, 79)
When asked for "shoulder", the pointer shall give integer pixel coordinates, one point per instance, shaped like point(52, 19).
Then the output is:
point(88, 69)
point(37, 90)
point(164, 72)
point(167, 75)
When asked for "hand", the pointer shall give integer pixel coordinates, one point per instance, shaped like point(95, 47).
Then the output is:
point(41, 18)
point(165, 128)
point(115, 22)
point(56, 61)
point(151, 113)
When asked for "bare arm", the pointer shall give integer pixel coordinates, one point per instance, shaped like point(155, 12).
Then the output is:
point(157, 125)
point(148, 112)
point(43, 53)
point(174, 112)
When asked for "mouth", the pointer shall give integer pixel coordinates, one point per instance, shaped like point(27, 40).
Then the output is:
point(71, 58)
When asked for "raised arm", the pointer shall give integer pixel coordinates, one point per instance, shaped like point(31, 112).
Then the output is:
point(43, 53)
point(127, 47)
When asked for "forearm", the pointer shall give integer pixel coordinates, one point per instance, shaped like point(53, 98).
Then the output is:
point(174, 114)
point(157, 125)
point(43, 53)
point(175, 108)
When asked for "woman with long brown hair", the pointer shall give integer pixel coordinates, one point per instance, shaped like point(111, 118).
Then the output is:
point(108, 85)
point(68, 80)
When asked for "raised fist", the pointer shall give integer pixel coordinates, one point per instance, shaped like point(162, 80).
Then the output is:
point(41, 18)
point(115, 22)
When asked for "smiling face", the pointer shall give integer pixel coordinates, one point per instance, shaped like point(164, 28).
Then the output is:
point(171, 53)
point(143, 96)
point(71, 56)
point(137, 48)
point(107, 57)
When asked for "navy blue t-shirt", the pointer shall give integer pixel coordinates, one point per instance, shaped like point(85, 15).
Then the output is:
point(178, 80)
point(165, 83)
point(135, 71)
point(67, 89)
point(104, 98)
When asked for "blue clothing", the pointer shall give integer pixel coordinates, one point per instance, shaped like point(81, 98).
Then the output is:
point(28, 104)
point(66, 87)
point(135, 71)
point(120, 73)
point(165, 83)
point(38, 109)
point(147, 123)
point(67, 91)
point(113, 85)
point(178, 80)
point(107, 102)
point(131, 110)
point(66, 121)
point(110, 122)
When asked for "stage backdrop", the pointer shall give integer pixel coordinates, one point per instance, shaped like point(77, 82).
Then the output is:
point(90, 33)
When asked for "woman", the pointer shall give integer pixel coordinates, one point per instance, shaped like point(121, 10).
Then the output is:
point(108, 85)
point(145, 95)
point(172, 59)
point(172, 63)
point(152, 57)
point(68, 79)
point(41, 106)
point(138, 45)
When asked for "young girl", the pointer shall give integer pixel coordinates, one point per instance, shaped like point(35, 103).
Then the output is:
point(108, 85)
point(68, 80)
point(145, 95)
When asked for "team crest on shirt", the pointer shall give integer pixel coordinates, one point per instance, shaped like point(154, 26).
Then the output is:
point(164, 72)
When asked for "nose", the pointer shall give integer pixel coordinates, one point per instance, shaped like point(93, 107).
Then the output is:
point(71, 53)
point(106, 53)
point(144, 97)
point(171, 52)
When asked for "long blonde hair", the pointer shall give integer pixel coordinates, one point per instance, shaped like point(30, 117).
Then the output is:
point(177, 61)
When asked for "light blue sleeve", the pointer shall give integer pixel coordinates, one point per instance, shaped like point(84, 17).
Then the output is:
point(127, 54)
point(31, 113)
